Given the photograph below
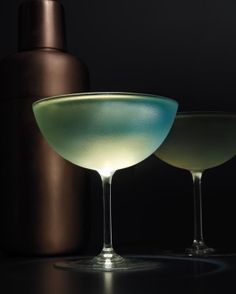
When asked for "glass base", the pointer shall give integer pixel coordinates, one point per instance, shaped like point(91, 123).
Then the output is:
point(117, 263)
point(207, 252)
point(159, 265)
point(199, 248)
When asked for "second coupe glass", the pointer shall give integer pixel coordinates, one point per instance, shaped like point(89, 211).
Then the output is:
point(196, 142)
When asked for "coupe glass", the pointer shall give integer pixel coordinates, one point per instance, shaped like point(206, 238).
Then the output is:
point(196, 142)
point(105, 132)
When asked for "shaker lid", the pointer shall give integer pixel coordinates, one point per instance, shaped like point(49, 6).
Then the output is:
point(41, 24)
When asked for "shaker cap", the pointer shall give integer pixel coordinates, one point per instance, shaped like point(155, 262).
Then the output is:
point(41, 24)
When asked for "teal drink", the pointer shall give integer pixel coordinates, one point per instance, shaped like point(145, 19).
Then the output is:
point(199, 141)
point(105, 132)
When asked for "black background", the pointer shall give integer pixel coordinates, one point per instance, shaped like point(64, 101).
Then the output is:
point(180, 49)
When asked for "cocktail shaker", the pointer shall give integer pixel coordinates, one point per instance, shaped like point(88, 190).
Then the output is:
point(43, 201)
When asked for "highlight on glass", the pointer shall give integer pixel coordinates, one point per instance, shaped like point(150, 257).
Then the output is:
point(196, 142)
point(105, 132)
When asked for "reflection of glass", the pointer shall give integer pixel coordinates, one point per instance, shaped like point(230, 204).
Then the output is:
point(196, 142)
point(39, 277)
point(105, 132)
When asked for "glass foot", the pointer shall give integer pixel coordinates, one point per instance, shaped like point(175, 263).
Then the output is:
point(199, 248)
point(91, 264)
point(161, 266)
point(107, 261)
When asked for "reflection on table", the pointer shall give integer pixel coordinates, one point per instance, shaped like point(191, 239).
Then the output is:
point(175, 275)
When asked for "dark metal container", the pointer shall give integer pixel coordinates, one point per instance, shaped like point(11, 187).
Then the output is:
point(43, 198)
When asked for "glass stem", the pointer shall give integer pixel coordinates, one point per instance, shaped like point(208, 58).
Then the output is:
point(108, 258)
point(107, 218)
point(197, 192)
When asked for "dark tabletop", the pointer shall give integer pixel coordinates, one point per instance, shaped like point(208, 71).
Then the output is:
point(173, 275)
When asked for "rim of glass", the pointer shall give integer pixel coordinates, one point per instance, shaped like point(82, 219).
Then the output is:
point(83, 95)
point(205, 113)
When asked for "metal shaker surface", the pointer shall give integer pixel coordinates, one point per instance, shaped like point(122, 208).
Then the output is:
point(43, 200)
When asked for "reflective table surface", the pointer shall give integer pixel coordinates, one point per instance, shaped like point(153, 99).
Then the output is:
point(171, 275)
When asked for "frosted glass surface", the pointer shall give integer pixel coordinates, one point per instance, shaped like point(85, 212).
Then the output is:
point(200, 141)
point(105, 131)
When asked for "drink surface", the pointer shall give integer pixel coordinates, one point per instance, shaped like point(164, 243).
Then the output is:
point(199, 141)
point(105, 132)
